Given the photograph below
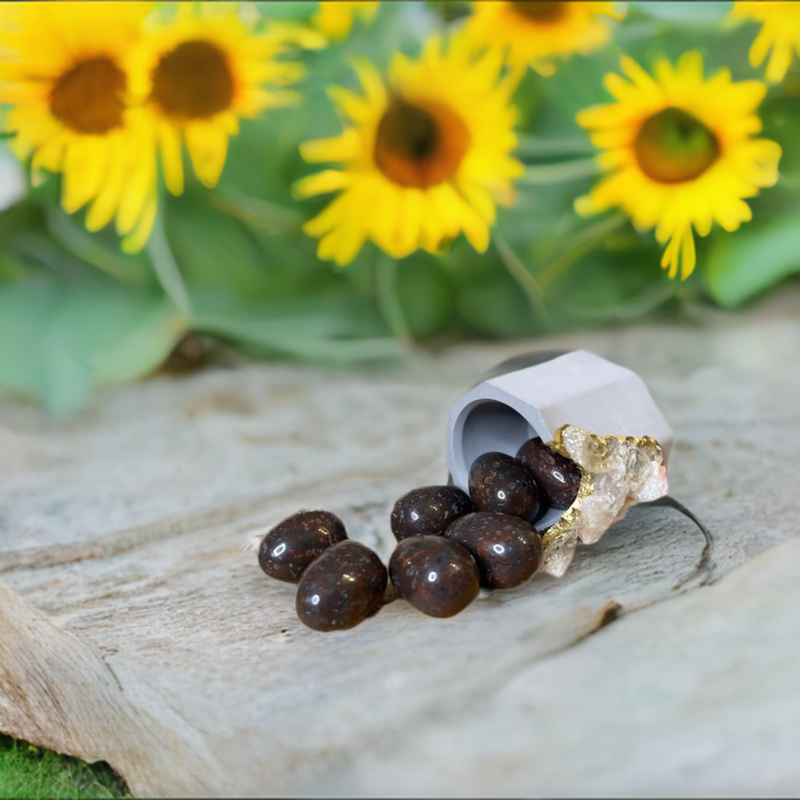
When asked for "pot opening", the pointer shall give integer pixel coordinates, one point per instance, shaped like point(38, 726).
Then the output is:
point(493, 426)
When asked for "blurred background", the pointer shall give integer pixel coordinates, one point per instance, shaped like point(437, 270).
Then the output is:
point(231, 263)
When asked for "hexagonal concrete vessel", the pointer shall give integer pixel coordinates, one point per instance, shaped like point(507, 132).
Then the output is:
point(576, 388)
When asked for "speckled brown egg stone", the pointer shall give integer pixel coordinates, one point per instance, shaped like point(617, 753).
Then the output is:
point(558, 477)
point(289, 548)
point(498, 482)
point(508, 549)
point(436, 575)
point(341, 588)
point(427, 511)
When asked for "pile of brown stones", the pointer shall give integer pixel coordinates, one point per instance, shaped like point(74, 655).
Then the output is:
point(449, 543)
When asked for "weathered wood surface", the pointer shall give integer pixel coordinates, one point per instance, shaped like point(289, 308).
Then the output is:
point(136, 627)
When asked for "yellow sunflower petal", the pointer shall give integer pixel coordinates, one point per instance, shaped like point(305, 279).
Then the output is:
point(672, 184)
point(780, 33)
point(207, 144)
point(67, 70)
point(370, 80)
point(243, 74)
point(138, 237)
point(539, 34)
point(334, 18)
point(688, 256)
point(103, 207)
point(330, 180)
point(397, 199)
point(85, 163)
point(139, 188)
point(169, 139)
point(354, 107)
point(345, 147)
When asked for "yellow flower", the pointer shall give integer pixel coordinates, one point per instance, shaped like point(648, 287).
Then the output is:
point(199, 74)
point(679, 152)
point(538, 32)
point(780, 32)
point(424, 159)
point(65, 72)
point(334, 18)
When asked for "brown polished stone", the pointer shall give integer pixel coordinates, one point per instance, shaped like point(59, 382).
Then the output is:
point(427, 511)
point(508, 549)
point(341, 588)
point(498, 482)
point(436, 575)
point(558, 477)
point(289, 548)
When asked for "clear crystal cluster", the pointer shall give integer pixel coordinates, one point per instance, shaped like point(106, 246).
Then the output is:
point(618, 471)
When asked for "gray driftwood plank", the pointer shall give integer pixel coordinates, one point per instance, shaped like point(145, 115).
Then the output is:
point(136, 627)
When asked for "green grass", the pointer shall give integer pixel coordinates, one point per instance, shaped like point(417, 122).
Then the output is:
point(32, 773)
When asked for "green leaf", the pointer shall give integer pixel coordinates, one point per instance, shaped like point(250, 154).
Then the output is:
point(59, 340)
point(495, 306)
point(259, 213)
point(449, 10)
point(211, 248)
point(91, 248)
point(425, 294)
point(615, 279)
point(782, 124)
point(284, 9)
point(747, 262)
point(685, 11)
point(22, 217)
point(336, 328)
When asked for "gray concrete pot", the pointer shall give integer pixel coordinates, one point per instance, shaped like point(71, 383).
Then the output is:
point(535, 395)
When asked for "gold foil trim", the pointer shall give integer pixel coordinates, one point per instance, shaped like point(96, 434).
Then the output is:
point(645, 442)
point(601, 455)
point(570, 517)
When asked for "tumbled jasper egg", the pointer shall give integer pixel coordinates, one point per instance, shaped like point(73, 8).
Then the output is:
point(498, 482)
point(428, 510)
point(436, 575)
point(558, 477)
point(508, 549)
point(294, 543)
point(341, 588)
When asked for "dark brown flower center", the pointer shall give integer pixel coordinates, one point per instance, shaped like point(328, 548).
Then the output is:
point(193, 81)
point(673, 146)
point(88, 97)
point(540, 11)
point(420, 145)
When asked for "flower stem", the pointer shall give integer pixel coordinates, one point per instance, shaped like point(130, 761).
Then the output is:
point(582, 243)
point(532, 146)
point(388, 301)
point(167, 272)
point(522, 276)
point(559, 173)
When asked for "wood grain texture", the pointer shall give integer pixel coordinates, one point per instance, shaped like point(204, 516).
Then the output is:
point(137, 628)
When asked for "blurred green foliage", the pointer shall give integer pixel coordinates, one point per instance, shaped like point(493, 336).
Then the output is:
point(77, 313)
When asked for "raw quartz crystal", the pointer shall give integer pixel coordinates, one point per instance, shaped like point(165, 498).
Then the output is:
point(618, 471)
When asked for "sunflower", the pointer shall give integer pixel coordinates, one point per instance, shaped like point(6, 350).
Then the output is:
point(780, 32)
point(680, 152)
point(425, 158)
point(538, 32)
point(334, 18)
point(202, 71)
point(65, 72)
